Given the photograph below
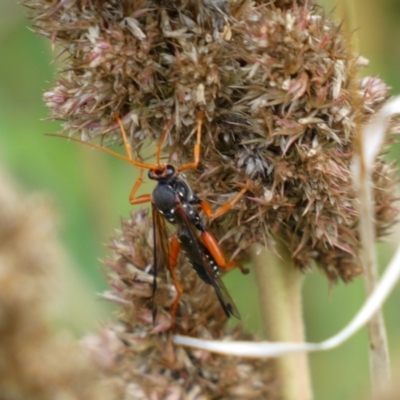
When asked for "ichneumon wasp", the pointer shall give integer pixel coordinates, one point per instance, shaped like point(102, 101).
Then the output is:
point(174, 202)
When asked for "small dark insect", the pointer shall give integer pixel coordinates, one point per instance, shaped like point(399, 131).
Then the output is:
point(173, 202)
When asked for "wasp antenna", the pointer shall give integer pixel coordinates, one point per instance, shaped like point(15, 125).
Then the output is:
point(162, 139)
point(127, 145)
point(105, 150)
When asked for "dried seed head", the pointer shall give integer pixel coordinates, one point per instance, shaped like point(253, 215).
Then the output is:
point(36, 363)
point(140, 356)
point(282, 101)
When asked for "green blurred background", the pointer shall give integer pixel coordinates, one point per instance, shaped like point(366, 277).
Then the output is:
point(89, 191)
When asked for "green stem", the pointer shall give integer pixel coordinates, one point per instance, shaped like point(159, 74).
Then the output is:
point(280, 294)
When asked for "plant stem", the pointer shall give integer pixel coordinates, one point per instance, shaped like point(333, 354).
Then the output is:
point(279, 287)
point(378, 346)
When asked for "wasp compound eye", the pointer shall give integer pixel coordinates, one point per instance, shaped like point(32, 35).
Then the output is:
point(156, 174)
point(169, 171)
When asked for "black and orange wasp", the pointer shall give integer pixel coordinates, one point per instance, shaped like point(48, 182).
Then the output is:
point(173, 202)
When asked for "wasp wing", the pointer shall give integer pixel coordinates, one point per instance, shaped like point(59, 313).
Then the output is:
point(160, 251)
point(203, 262)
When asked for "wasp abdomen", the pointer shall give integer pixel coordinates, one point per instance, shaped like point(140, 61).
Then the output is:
point(194, 252)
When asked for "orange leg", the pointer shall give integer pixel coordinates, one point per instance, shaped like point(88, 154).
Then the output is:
point(226, 207)
point(145, 198)
point(174, 251)
point(196, 161)
point(215, 250)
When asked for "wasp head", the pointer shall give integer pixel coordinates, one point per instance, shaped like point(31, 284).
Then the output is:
point(162, 173)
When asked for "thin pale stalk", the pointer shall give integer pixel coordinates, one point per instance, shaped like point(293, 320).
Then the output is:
point(378, 346)
point(370, 139)
point(280, 295)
